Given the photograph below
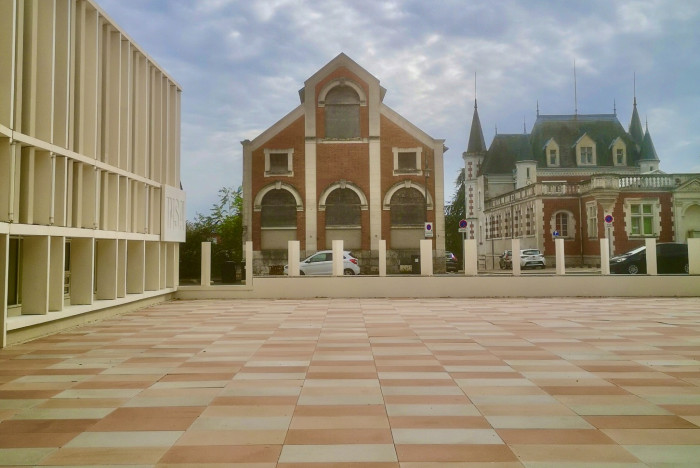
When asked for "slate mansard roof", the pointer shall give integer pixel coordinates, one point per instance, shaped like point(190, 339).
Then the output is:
point(566, 131)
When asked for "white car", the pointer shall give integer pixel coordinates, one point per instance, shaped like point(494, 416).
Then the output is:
point(531, 258)
point(321, 263)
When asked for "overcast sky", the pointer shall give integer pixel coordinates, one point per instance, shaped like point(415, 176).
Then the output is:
point(241, 63)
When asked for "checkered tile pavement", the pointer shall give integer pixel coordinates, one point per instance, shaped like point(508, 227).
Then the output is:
point(363, 383)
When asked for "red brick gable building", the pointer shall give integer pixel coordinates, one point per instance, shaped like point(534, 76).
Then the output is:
point(343, 165)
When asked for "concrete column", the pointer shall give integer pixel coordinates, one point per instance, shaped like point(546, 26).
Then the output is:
point(426, 257)
point(121, 267)
point(82, 264)
point(651, 256)
point(515, 247)
point(206, 264)
point(4, 251)
point(694, 256)
point(56, 273)
point(470, 257)
point(293, 257)
point(153, 266)
point(604, 256)
point(310, 202)
point(382, 257)
point(337, 257)
point(107, 258)
point(249, 263)
point(561, 258)
point(135, 266)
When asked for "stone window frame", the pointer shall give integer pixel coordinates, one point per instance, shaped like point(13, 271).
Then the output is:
point(586, 142)
point(570, 224)
point(655, 213)
point(592, 219)
point(361, 94)
point(257, 204)
point(550, 146)
point(616, 146)
point(419, 160)
point(386, 205)
point(290, 162)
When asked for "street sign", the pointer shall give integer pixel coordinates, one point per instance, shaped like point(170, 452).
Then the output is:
point(608, 219)
point(428, 230)
point(555, 233)
point(463, 224)
point(462, 230)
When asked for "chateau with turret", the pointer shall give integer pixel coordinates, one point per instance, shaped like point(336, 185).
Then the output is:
point(565, 178)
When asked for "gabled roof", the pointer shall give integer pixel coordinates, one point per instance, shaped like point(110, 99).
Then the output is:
point(342, 60)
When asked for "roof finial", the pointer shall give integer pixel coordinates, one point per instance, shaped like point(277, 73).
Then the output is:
point(538, 108)
point(634, 81)
point(646, 122)
point(524, 129)
point(496, 129)
point(474, 90)
point(575, 91)
point(614, 107)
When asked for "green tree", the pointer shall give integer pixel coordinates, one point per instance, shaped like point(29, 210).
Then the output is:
point(454, 212)
point(223, 227)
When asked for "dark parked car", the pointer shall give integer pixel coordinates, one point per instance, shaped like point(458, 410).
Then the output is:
point(451, 263)
point(670, 258)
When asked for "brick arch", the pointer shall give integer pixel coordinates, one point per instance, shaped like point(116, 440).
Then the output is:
point(342, 185)
point(405, 184)
point(257, 205)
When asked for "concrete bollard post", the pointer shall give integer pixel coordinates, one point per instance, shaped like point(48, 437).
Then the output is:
point(293, 257)
point(561, 257)
point(337, 257)
point(651, 256)
point(605, 256)
point(382, 257)
point(515, 248)
point(470, 257)
point(426, 257)
point(694, 256)
point(205, 276)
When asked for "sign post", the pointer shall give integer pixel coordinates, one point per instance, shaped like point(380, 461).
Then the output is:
point(608, 228)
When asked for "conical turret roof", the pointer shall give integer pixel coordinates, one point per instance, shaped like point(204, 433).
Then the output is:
point(648, 152)
point(476, 135)
point(636, 131)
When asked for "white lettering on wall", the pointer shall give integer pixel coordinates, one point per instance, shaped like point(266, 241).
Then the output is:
point(174, 216)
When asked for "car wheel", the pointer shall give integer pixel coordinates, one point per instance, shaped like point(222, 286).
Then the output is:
point(348, 271)
point(633, 269)
point(686, 269)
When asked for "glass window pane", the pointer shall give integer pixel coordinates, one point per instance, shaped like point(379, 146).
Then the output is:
point(647, 209)
point(634, 209)
point(648, 225)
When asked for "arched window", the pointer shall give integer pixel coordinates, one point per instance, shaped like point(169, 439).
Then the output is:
point(562, 224)
point(342, 113)
point(407, 208)
point(279, 209)
point(343, 208)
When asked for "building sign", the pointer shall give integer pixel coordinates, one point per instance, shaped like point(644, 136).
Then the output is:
point(428, 230)
point(173, 216)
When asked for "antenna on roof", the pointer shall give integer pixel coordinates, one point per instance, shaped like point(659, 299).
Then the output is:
point(575, 91)
point(538, 108)
point(614, 107)
point(524, 129)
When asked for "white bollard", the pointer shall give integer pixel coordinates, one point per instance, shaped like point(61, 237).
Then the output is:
point(515, 248)
point(470, 257)
point(651, 256)
point(694, 256)
point(382, 257)
point(293, 258)
point(205, 276)
point(561, 257)
point(338, 257)
point(605, 256)
point(426, 257)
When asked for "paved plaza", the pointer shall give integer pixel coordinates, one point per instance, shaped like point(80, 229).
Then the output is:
point(363, 383)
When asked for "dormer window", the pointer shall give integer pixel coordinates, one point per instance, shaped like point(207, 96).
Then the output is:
point(619, 152)
point(585, 151)
point(551, 151)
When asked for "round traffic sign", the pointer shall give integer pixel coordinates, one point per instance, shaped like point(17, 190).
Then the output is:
point(608, 219)
point(463, 223)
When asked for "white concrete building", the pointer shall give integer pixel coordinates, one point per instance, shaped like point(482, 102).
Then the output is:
point(91, 210)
